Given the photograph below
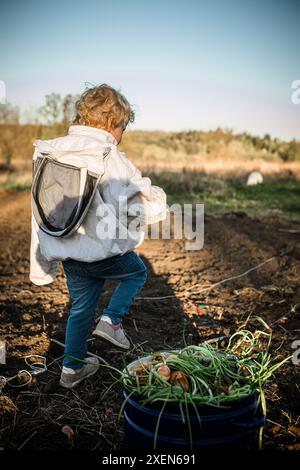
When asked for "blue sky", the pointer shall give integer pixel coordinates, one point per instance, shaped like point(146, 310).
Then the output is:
point(188, 64)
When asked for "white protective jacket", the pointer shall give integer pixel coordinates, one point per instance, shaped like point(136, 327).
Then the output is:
point(121, 178)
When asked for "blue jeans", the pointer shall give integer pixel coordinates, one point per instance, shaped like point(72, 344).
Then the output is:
point(85, 282)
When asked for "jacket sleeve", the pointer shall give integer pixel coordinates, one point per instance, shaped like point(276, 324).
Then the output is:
point(42, 271)
point(144, 200)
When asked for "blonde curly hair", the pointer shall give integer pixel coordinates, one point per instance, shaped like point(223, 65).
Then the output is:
point(104, 107)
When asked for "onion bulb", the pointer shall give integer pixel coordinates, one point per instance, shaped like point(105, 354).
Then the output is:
point(164, 372)
point(180, 379)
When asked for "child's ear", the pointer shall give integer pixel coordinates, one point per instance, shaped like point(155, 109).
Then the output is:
point(109, 122)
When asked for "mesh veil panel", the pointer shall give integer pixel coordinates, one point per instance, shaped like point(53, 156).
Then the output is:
point(58, 194)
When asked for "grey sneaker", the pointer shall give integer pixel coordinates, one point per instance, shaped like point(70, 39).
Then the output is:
point(71, 380)
point(115, 336)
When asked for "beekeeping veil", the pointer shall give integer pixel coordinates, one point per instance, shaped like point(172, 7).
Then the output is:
point(64, 184)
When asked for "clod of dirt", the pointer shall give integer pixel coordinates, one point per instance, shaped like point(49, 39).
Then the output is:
point(6, 405)
point(295, 430)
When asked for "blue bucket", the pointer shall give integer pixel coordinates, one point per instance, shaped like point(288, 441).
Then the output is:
point(237, 425)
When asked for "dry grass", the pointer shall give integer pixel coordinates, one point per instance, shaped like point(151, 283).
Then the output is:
point(218, 153)
point(223, 168)
point(21, 174)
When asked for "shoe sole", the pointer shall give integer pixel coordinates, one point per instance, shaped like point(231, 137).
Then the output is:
point(72, 385)
point(109, 338)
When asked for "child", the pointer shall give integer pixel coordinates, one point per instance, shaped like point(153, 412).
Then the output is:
point(88, 259)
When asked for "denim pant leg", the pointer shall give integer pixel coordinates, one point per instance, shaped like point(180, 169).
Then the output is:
point(132, 274)
point(84, 295)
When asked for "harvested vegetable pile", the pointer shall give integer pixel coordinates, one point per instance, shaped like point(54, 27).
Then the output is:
point(206, 375)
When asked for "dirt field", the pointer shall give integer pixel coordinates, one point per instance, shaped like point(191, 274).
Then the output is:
point(31, 315)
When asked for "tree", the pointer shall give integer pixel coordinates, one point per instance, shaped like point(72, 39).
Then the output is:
point(9, 114)
point(69, 107)
point(52, 109)
point(58, 110)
